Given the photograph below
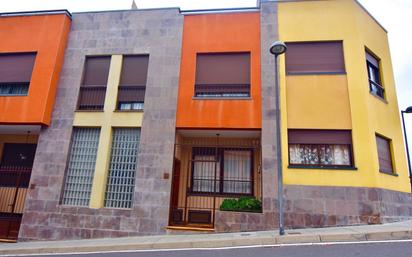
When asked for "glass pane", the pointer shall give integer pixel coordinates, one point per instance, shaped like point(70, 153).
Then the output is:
point(205, 171)
point(137, 106)
point(237, 172)
point(122, 170)
point(327, 155)
point(125, 106)
point(82, 160)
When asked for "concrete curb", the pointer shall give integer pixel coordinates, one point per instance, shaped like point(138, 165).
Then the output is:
point(250, 240)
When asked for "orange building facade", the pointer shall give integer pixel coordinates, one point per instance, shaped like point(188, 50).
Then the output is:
point(31, 56)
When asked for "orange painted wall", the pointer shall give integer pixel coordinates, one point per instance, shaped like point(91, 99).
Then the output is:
point(47, 35)
point(229, 32)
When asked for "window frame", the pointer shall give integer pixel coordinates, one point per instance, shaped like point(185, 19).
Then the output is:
point(391, 155)
point(223, 95)
point(86, 87)
point(25, 84)
point(109, 189)
point(132, 87)
point(323, 166)
point(67, 167)
point(377, 72)
point(219, 155)
point(351, 166)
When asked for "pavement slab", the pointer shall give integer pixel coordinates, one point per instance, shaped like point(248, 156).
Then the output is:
point(392, 231)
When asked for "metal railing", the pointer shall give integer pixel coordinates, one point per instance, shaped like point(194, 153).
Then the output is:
point(91, 97)
point(209, 173)
point(376, 89)
point(222, 90)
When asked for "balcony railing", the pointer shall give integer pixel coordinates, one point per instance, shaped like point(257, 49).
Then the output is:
point(222, 90)
point(92, 97)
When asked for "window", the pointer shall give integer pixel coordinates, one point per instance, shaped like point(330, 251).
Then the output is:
point(222, 171)
point(80, 170)
point(222, 75)
point(122, 170)
point(315, 58)
point(15, 73)
point(375, 85)
point(320, 148)
point(133, 82)
point(93, 88)
point(384, 154)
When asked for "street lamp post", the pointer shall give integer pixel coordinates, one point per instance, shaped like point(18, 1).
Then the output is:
point(277, 49)
point(408, 110)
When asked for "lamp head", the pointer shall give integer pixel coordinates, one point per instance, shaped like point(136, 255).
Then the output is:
point(278, 48)
point(408, 110)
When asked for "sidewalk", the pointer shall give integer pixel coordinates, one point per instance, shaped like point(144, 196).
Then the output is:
point(392, 231)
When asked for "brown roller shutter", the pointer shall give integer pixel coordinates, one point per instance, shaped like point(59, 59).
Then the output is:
point(223, 68)
point(96, 71)
point(384, 154)
point(309, 136)
point(134, 70)
point(16, 67)
point(131, 94)
point(370, 58)
point(315, 57)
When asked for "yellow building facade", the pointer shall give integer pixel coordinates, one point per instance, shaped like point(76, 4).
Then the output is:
point(342, 101)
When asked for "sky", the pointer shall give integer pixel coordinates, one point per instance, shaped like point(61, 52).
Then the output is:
point(394, 15)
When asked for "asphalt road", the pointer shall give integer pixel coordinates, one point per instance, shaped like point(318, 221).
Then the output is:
point(381, 249)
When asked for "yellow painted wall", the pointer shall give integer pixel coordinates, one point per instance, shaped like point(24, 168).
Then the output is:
point(311, 102)
point(106, 120)
point(341, 20)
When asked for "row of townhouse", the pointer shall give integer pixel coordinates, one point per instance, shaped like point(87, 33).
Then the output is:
point(142, 122)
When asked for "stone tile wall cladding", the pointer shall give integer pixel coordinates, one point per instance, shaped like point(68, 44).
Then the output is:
point(158, 33)
point(269, 34)
point(311, 206)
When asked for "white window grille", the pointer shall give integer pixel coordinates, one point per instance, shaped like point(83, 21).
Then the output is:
point(82, 160)
point(122, 170)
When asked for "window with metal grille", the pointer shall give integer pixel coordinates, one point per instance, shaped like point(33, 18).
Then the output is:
point(122, 170)
point(80, 170)
point(15, 73)
point(222, 171)
point(93, 89)
point(222, 75)
point(132, 85)
point(375, 83)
